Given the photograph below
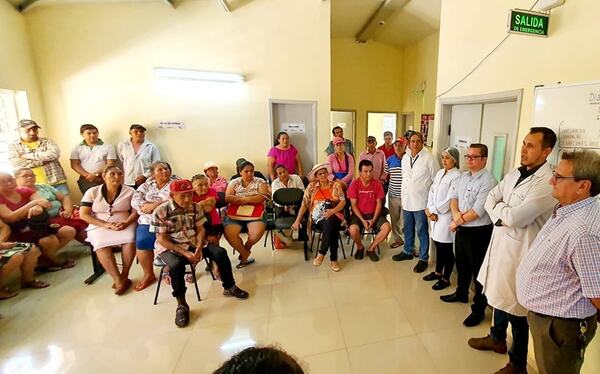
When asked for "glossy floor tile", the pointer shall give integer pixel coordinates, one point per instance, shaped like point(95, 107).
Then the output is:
point(368, 318)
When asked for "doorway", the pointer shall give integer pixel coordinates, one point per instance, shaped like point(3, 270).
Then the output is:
point(489, 119)
point(380, 122)
point(408, 122)
point(298, 119)
point(346, 119)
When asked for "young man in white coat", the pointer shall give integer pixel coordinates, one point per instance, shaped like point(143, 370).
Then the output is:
point(519, 206)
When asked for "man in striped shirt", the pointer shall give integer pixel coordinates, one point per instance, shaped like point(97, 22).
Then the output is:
point(394, 170)
point(558, 280)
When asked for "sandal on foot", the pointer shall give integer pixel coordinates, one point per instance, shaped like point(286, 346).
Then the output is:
point(318, 260)
point(144, 284)
point(5, 293)
point(65, 265)
point(334, 266)
point(243, 264)
point(123, 288)
point(35, 284)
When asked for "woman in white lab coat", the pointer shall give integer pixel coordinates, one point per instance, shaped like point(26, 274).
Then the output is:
point(438, 212)
point(522, 210)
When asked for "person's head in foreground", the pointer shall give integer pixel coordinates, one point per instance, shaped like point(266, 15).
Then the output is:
point(255, 360)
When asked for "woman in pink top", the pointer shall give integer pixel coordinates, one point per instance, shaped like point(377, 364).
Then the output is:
point(341, 162)
point(285, 154)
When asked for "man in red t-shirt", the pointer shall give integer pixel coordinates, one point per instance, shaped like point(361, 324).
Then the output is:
point(366, 197)
point(387, 147)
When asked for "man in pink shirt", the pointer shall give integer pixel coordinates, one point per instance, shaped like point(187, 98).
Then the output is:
point(366, 197)
point(377, 158)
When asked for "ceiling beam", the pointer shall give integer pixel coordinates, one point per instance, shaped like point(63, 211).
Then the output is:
point(171, 3)
point(378, 19)
point(25, 5)
point(225, 5)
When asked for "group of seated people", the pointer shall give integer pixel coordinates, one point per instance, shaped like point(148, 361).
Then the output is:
point(151, 214)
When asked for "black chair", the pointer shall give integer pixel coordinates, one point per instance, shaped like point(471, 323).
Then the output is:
point(373, 232)
point(158, 263)
point(278, 221)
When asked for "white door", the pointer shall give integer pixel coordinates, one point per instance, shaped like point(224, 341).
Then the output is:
point(465, 128)
point(498, 133)
point(344, 119)
point(298, 119)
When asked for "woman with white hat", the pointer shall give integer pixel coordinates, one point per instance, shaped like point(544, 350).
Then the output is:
point(438, 212)
point(325, 201)
point(215, 182)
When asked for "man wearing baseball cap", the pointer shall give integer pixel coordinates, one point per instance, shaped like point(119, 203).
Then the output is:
point(39, 154)
point(178, 224)
point(136, 155)
point(394, 170)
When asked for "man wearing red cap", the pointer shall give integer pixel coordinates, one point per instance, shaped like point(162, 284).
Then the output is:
point(178, 224)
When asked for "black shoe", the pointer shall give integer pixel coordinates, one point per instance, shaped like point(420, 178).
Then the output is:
point(473, 319)
point(440, 284)
point(373, 256)
point(236, 292)
point(431, 277)
point(402, 257)
point(182, 315)
point(421, 266)
point(360, 253)
point(454, 298)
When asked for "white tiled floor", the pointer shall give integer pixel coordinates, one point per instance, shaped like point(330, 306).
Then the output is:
point(369, 318)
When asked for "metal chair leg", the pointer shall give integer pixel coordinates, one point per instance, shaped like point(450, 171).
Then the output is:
point(193, 271)
point(160, 276)
point(208, 264)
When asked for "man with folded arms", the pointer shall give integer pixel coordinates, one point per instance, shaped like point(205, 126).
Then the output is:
point(519, 206)
point(178, 224)
point(558, 280)
point(136, 155)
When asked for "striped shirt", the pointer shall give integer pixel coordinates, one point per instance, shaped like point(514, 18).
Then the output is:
point(561, 272)
point(471, 190)
point(394, 169)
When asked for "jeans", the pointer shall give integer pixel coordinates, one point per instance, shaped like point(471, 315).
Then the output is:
point(416, 220)
point(445, 259)
point(471, 244)
point(520, 333)
point(177, 264)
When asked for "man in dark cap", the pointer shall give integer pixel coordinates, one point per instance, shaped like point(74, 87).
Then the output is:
point(136, 155)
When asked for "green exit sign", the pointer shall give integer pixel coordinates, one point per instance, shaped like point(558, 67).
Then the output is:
point(528, 23)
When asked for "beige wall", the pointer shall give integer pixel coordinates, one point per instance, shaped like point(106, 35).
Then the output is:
point(96, 65)
point(420, 66)
point(365, 77)
point(570, 54)
point(17, 70)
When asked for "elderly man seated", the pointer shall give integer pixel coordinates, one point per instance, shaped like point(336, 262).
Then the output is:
point(366, 198)
point(178, 224)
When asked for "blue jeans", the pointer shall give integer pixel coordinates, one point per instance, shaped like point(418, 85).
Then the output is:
point(62, 188)
point(416, 220)
point(520, 332)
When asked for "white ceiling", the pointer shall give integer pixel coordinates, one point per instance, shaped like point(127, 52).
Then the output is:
point(416, 20)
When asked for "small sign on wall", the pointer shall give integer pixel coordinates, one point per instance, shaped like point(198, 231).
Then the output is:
point(171, 125)
point(293, 127)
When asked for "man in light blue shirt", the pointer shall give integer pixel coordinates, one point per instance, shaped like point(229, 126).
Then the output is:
point(558, 280)
point(473, 228)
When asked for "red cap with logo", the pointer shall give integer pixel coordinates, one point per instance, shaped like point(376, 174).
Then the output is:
point(181, 186)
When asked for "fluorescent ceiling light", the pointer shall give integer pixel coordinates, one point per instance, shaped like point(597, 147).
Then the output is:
point(198, 75)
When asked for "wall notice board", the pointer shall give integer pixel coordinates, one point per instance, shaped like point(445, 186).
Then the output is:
point(573, 112)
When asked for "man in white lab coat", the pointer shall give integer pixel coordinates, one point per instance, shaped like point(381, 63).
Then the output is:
point(519, 206)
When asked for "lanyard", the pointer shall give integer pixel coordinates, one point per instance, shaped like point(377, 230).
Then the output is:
point(413, 160)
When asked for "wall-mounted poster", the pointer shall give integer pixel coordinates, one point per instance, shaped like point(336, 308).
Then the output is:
point(426, 125)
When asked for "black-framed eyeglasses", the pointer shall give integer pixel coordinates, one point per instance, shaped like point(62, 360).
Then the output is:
point(557, 176)
point(471, 157)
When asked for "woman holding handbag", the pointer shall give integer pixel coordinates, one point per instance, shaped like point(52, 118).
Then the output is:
point(325, 201)
point(246, 197)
